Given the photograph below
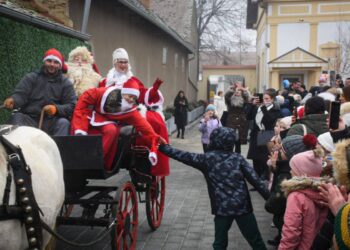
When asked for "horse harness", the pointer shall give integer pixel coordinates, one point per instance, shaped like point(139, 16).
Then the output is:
point(26, 208)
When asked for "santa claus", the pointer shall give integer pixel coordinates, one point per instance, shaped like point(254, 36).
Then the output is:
point(150, 103)
point(80, 70)
point(102, 110)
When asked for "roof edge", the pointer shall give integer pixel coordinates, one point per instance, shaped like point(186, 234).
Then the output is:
point(233, 66)
point(307, 52)
point(170, 32)
point(41, 23)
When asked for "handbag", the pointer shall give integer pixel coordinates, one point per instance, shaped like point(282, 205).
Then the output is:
point(264, 136)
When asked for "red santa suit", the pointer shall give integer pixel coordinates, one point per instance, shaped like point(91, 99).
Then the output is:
point(153, 101)
point(91, 117)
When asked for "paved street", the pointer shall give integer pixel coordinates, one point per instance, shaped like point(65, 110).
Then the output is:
point(187, 222)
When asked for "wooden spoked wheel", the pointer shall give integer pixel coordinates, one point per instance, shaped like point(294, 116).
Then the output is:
point(155, 197)
point(124, 235)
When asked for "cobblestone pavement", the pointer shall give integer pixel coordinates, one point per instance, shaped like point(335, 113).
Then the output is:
point(187, 222)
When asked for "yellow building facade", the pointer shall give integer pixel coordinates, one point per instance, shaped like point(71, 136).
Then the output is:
point(219, 77)
point(299, 40)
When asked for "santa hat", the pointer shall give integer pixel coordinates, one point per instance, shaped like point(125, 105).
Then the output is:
point(308, 163)
point(120, 54)
point(54, 54)
point(131, 87)
point(153, 97)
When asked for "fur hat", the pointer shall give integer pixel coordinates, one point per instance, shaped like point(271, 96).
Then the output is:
point(131, 87)
point(308, 163)
point(342, 227)
point(341, 157)
point(326, 141)
point(295, 144)
point(54, 54)
point(82, 50)
point(120, 53)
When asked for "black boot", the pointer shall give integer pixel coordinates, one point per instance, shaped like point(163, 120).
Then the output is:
point(178, 134)
point(182, 133)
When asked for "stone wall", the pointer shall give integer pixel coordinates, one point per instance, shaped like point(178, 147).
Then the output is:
point(55, 10)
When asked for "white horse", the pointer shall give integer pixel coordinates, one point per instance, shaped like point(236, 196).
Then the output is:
point(43, 157)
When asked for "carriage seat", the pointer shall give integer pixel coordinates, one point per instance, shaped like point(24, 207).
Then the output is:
point(124, 142)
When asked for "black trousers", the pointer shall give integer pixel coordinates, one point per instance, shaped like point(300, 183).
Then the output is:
point(247, 225)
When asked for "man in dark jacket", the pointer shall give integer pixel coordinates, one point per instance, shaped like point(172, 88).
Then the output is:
point(225, 173)
point(48, 90)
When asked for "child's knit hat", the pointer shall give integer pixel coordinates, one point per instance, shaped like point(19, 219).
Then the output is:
point(342, 227)
point(295, 144)
point(210, 107)
point(308, 163)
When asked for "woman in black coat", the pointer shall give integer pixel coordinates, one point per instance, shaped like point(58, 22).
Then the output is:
point(181, 105)
point(264, 117)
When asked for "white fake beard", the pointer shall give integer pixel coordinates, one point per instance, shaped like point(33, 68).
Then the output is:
point(76, 72)
point(126, 106)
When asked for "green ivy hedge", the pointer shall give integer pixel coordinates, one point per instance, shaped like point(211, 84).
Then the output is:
point(22, 47)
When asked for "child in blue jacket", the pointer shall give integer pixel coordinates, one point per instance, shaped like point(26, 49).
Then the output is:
point(225, 173)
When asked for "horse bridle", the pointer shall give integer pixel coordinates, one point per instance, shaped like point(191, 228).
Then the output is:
point(26, 208)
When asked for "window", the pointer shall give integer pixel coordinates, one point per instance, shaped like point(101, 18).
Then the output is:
point(164, 57)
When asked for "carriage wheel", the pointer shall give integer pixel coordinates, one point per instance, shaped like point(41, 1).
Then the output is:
point(124, 234)
point(66, 210)
point(155, 197)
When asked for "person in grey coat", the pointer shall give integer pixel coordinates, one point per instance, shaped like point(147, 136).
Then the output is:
point(46, 89)
point(225, 173)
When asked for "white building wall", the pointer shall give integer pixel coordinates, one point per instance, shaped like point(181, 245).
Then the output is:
point(292, 35)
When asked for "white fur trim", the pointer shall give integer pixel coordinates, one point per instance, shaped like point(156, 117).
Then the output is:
point(79, 131)
point(97, 124)
point(153, 158)
point(142, 109)
point(131, 91)
point(159, 103)
point(52, 57)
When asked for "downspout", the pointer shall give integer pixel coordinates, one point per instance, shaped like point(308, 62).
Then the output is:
point(84, 24)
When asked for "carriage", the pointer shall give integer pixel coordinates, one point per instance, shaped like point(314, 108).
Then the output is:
point(82, 159)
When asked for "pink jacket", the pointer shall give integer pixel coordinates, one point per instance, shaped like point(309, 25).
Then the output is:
point(302, 220)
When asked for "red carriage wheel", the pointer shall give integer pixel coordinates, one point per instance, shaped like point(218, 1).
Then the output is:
point(155, 197)
point(124, 235)
point(66, 210)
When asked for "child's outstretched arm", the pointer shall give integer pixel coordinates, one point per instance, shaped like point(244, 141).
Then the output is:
point(253, 179)
point(191, 159)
